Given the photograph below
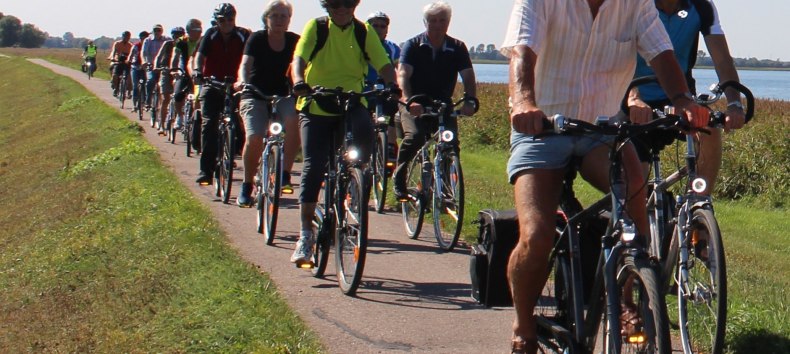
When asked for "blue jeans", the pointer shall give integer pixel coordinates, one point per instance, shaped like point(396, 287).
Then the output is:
point(153, 79)
point(137, 74)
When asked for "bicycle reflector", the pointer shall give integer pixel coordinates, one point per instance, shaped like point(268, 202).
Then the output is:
point(699, 185)
point(447, 136)
point(352, 154)
point(382, 120)
point(637, 338)
point(275, 128)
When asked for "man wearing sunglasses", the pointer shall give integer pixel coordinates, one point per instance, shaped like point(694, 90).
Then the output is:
point(218, 55)
point(341, 62)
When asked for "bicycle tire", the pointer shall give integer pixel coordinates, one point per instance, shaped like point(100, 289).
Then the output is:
point(186, 130)
point(272, 184)
point(323, 229)
point(448, 201)
point(413, 210)
point(379, 164)
point(140, 104)
point(197, 129)
point(553, 310)
point(702, 313)
point(660, 216)
point(154, 104)
point(351, 238)
point(226, 162)
point(171, 126)
point(650, 305)
point(122, 91)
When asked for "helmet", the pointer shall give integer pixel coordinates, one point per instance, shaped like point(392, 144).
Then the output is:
point(126, 34)
point(194, 24)
point(325, 3)
point(224, 10)
point(380, 16)
point(177, 30)
point(144, 34)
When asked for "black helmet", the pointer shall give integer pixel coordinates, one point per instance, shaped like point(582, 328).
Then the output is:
point(177, 30)
point(325, 3)
point(144, 34)
point(126, 34)
point(224, 10)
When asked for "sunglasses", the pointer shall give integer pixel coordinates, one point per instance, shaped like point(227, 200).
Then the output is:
point(225, 19)
point(345, 3)
point(379, 26)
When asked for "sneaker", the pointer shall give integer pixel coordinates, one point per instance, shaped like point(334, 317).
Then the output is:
point(400, 191)
point(287, 188)
point(179, 122)
point(114, 93)
point(304, 248)
point(204, 178)
point(244, 199)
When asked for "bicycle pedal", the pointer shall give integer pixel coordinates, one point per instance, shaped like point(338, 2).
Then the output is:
point(288, 191)
point(305, 265)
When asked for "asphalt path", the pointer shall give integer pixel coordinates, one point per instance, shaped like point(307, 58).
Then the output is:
point(412, 298)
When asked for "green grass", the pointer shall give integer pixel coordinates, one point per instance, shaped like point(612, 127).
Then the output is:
point(102, 248)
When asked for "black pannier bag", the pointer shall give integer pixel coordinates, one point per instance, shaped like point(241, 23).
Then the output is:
point(488, 267)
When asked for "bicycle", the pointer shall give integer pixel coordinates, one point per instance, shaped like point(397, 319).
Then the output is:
point(566, 324)
point(692, 252)
point(139, 104)
point(121, 89)
point(155, 94)
point(191, 117)
point(341, 215)
point(380, 164)
point(435, 175)
point(172, 115)
point(90, 66)
point(227, 138)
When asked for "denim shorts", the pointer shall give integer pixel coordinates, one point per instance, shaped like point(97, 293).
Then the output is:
point(548, 152)
point(255, 114)
point(166, 83)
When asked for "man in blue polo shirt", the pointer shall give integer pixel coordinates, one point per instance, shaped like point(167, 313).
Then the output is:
point(429, 65)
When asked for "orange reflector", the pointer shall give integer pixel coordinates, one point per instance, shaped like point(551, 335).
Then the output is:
point(288, 191)
point(356, 254)
point(390, 164)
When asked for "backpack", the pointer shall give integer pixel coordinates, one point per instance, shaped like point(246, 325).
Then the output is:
point(360, 33)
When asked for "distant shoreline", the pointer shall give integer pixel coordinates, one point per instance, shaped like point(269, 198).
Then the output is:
point(505, 62)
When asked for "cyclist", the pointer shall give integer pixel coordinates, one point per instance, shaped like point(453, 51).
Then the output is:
point(150, 49)
point(341, 62)
point(218, 55)
point(685, 20)
point(264, 65)
point(89, 54)
point(380, 23)
point(136, 62)
point(120, 56)
point(578, 70)
point(183, 52)
point(430, 65)
point(163, 61)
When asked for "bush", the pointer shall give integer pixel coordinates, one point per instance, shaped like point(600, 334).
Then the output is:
point(756, 159)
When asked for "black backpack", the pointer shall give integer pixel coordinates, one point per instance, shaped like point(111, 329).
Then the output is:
point(360, 33)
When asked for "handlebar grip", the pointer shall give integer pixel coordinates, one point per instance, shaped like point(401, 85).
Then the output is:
point(746, 93)
point(635, 83)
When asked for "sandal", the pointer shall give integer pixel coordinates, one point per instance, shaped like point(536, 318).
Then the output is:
point(523, 346)
point(630, 322)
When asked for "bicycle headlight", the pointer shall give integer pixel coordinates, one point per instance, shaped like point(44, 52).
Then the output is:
point(352, 154)
point(629, 233)
point(190, 97)
point(275, 128)
point(699, 185)
point(382, 119)
point(447, 136)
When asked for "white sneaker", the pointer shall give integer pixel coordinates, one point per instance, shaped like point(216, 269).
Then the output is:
point(304, 248)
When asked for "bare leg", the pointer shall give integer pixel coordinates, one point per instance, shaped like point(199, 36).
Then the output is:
point(306, 211)
point(709, 162)
point(253, 149)
point(537, 194)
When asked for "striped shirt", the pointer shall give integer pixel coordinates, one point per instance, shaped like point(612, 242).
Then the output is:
point(584, 64)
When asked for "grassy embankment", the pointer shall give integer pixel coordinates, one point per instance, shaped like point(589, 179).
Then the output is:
point(103, 250)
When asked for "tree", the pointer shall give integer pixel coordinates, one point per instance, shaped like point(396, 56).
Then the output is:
point(31, 37)
point(103, 43)
point(68, 40)
point(54, 42)
point(9, 31)
point(481, 48)
point(701, 54)
point(490, 48)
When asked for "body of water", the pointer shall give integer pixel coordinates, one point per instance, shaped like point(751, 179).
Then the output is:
point(764, 84)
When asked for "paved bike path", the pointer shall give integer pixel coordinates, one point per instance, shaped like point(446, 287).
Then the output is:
point(412, 299)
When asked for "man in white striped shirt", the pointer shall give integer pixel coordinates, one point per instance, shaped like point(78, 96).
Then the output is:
point(576, 58)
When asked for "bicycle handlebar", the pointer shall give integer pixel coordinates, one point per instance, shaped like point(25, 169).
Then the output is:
point(437, 107)
point(250, 88)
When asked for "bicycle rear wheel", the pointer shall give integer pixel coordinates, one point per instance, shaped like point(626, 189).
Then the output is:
point(186, 130)
point(271, 183)
point(351, 238)
point(323, 229)
point(154, 105)
point(122, 90)
point(225, 170)
point(702, 302)
point(140, 104)
point(448, 201)
point(171, 121)
point(413, 210)
point(638, 282)
point(379, 164)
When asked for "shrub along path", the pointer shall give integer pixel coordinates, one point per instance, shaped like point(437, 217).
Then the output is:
point(412, 299)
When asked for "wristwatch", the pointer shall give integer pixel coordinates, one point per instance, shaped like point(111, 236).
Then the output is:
point(736, 104)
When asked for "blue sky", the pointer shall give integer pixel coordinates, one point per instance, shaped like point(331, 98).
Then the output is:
point(754, 28)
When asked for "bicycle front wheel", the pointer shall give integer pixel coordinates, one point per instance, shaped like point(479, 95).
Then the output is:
point(379, 164)
point(448, 201)
point(140, 104)
point(647, 328)
point(413, 210)
point(323, 229)
point(186, 130)
point(702, 300)
point(272, 183)
point(351, 238)
point(171, 121)
point(154, 106)
point(122, 91)
point(225, 170)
